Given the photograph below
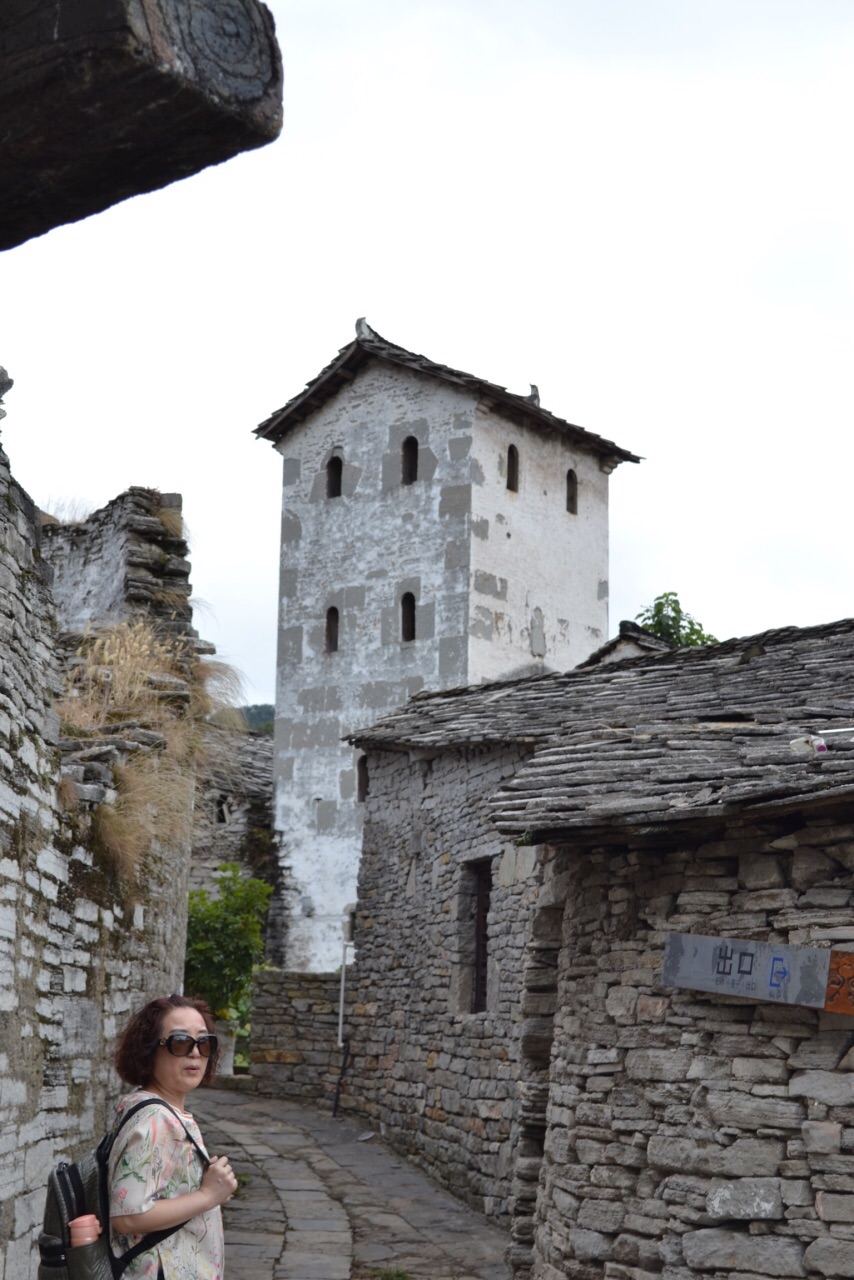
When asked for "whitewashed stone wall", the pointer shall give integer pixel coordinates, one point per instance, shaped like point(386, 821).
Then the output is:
point(690, 1135)
point(75, 953)
point(539, 574)
point(444, 539)
point(438, 1081)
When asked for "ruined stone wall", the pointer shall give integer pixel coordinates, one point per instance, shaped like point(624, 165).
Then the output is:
point(79, 947)
point(438, 1080)
point(687, 1134)
point(233, 821)
point(126, 560)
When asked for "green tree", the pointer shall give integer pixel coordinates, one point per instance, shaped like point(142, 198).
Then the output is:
point(224, 940)
point(665, 617)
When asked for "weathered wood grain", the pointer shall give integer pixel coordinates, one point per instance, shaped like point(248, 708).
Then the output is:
point(101, 100)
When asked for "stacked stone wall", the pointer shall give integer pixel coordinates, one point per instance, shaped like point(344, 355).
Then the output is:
point(295, 1051)
point(78, 947)
point(126, 560)
point(438, 1081)
point(687, 1134)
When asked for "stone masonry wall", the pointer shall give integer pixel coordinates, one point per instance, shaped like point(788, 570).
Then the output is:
point(78, 949)
point(295, 1052)
point(692, 1135)
point(233, 821)
point(126, 560)
point(437, 1080)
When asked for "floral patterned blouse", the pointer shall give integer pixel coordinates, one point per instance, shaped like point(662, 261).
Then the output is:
point(152, 1160)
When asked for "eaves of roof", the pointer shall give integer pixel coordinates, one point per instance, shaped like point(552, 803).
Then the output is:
point(369, 345)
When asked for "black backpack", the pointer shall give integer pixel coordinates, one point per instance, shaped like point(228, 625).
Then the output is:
point(83, 1187)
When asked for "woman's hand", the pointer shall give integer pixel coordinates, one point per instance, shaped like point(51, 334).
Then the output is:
point(218, 1180)
point(218, 1185)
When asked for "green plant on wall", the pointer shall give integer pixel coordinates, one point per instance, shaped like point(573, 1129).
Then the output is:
point(224, 941)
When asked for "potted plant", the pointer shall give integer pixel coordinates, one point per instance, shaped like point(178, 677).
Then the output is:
point(224, 944)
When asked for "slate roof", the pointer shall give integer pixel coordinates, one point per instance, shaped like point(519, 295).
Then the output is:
point(369, 345)
point(690, 734)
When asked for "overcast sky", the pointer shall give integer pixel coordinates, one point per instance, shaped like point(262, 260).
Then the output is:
point(643, 206)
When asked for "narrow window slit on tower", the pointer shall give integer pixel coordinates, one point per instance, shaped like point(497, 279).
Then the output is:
point(334, 472)
point(409, 461)
point(572, 492)
point(513, 469)
point(331, 637)
point(407, 616)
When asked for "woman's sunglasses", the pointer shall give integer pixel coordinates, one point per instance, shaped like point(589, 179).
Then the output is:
point(181, 1045)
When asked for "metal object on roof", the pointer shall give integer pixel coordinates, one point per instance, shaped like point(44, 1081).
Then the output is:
point(369, 345)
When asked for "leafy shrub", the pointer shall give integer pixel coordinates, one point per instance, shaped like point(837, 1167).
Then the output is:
point(224, 940)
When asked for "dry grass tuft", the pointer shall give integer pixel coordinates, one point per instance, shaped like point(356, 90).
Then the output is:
point(154, 802)
point(172, 521)
point(66, 795)
point(132, 674)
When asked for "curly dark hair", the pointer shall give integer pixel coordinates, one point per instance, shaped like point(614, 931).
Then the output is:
point(137, 1043)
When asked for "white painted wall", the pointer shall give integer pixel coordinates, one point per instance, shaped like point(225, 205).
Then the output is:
point(529, 553)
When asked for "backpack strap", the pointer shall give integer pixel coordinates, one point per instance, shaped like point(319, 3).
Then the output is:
point(153, 1238)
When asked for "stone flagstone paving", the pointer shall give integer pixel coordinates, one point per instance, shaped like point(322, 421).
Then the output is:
point(319, 1200)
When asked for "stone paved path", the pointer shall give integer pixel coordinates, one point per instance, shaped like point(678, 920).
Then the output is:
point(320, 1200)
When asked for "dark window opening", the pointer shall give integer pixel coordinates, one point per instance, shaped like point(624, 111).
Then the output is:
point(409, 461)
point(407, 616)
point(362, 779)
point(222, 810)
point(513, 469)
point(334, 472)
point(572, 492)
point(482, 886)
point(331, 637)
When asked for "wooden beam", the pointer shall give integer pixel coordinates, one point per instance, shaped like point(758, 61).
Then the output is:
point(101, 100)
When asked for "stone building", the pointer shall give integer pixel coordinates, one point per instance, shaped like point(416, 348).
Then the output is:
point(437, 530)
point(631, 1128)
point(83, 935)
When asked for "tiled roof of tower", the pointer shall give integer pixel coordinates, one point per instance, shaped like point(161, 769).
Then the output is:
point(690, 734)
point(368, 345)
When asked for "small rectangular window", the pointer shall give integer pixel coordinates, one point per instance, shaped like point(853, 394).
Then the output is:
point(470, 982)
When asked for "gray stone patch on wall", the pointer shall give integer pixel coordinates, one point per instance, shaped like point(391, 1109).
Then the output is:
point(289, 583)
point(459, 447)
point(457, 554)
point(602, 589)
point(453, 651)
point(488, 584)
point(482, 623)
point(320, 699)
point(291, 528)
point(480, 528)
point(477, 476)
point(326, 815)
point(290, 645)
point(291, 471)
point(538, 634)
point(455, 500)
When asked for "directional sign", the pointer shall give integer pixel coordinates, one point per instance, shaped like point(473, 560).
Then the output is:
point(763, 971)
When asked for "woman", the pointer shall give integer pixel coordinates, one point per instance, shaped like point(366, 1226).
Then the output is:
point(160, 1175)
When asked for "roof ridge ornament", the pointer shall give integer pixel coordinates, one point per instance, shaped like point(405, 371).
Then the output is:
point(364, 332)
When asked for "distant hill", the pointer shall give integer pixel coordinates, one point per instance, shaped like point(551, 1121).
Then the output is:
point(259, 717)
point(255, 719)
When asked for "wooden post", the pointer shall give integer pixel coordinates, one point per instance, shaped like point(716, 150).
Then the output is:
point(101, 100)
